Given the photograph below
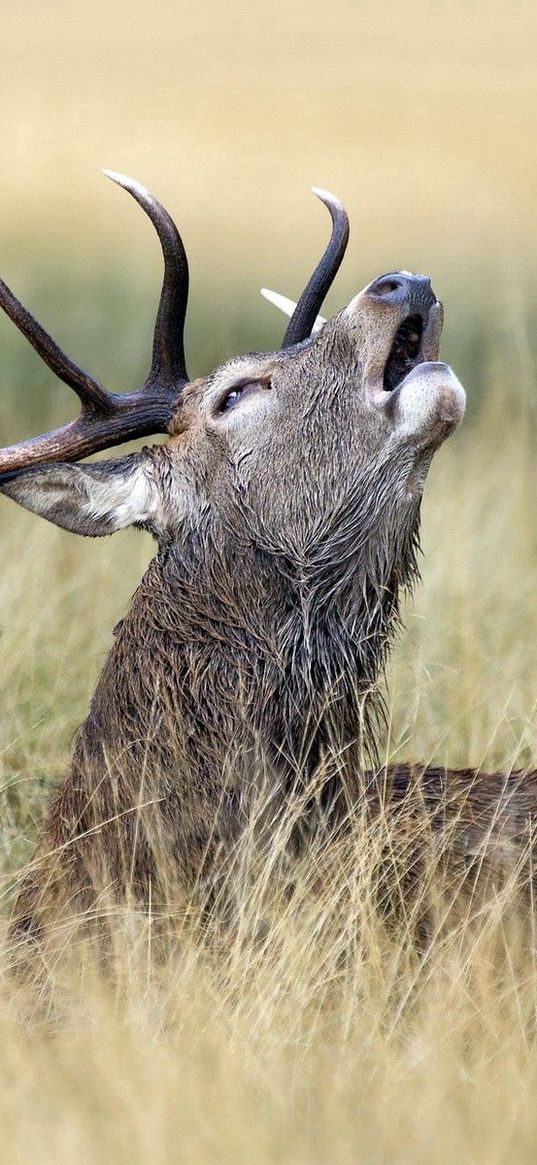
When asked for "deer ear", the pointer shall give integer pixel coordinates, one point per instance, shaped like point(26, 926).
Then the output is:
point(93, 499)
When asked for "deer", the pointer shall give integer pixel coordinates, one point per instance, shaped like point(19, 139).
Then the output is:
point(285, 506)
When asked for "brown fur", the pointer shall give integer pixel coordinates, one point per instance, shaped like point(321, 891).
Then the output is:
point(244, 676)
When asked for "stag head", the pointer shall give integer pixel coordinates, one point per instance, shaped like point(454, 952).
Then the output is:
point(327, 439)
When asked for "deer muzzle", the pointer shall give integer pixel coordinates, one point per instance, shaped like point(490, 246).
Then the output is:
point(404, 378)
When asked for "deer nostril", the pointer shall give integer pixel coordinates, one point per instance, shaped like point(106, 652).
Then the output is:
point(385, 286)
point(402, 287)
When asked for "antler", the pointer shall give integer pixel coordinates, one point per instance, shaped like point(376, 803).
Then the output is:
point(307, 308)
point(109, 418)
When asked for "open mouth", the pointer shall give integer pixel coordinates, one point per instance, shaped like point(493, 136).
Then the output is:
point(405, 352)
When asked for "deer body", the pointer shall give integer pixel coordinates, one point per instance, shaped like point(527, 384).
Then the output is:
point(232, 673)
point(286, 511)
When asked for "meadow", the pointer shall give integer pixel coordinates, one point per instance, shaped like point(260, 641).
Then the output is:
point(338, 1041)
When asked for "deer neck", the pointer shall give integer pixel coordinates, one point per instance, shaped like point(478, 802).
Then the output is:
point(231, 657)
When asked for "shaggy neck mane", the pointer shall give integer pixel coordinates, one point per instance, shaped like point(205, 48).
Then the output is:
point(248, 654)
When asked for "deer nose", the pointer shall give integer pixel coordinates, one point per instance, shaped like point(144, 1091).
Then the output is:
point(403, 288)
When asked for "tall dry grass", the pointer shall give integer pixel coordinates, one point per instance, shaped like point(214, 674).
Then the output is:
point(326, 1035)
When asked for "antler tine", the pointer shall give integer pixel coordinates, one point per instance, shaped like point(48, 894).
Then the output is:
point(93, 396)
point(168, 364)
point(109, 418)
point(310, 302)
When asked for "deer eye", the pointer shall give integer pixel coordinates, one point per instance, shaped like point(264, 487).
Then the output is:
point(230, 400)
point(235, 395)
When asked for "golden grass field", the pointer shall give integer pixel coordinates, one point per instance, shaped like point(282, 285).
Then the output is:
point(339, 1043)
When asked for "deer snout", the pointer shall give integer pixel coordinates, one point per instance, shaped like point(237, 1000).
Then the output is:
point(401, 289)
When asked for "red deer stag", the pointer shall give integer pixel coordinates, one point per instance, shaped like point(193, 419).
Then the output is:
point(285, 506)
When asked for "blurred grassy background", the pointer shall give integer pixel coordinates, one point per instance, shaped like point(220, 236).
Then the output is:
point(419, 116)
